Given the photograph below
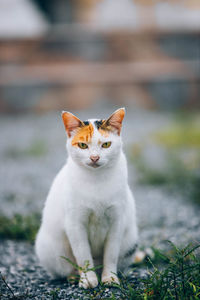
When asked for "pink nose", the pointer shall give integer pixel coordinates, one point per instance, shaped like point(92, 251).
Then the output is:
point(94, 158)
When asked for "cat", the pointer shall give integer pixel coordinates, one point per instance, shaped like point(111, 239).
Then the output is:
point(89, 215)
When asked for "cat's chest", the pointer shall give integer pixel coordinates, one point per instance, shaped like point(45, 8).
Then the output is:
point(101, 219)
point(98, 226)
point(100, 187)
point(98, 196)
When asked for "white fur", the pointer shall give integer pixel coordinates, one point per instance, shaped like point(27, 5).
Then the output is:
point(89, 214)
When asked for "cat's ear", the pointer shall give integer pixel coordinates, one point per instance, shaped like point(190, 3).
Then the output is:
point(115, 120)
point(71, 122)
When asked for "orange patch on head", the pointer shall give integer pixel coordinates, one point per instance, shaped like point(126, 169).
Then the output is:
point(112, 124)
point(104, 132)
point(103, 127)
point(84, 134)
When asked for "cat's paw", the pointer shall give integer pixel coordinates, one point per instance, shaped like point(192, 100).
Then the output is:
point(110, 278)
point(88, 280)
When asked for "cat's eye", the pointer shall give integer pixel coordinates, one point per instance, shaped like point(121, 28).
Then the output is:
point(106, 145)
point(82, 145)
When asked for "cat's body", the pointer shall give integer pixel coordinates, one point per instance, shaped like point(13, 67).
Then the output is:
point(89, 214)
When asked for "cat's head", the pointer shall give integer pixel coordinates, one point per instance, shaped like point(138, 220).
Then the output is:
point(94, 143)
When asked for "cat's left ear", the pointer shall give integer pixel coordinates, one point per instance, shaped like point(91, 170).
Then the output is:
point(115, 120)
point(71, 122)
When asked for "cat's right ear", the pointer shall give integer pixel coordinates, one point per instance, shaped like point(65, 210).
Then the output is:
point(71, 122)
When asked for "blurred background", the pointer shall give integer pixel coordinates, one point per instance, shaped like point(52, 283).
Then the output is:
point(76, 53)
point(91, 57)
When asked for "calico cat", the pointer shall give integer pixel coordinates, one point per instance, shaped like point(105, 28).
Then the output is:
point(89, 214)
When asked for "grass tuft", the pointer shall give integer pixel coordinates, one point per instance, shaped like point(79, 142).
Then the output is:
point(19, 227)
point(183, 133)
point(180, 171)
point(175, 275)
point(36, 149)
point(179, 163)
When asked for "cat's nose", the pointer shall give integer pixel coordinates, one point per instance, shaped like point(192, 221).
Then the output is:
point(94, 158)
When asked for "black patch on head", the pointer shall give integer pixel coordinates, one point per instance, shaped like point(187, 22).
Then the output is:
point(131, 251)
point(86, 122)
point(98, 123)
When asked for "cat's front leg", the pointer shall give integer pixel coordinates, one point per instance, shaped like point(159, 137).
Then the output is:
point(78, 238)
point(111, 254)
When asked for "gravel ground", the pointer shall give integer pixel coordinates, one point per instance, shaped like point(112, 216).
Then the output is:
point(29, 281)
point(26, 175)
point(178, 222)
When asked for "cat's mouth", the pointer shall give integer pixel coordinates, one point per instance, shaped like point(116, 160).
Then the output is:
point(94, 165)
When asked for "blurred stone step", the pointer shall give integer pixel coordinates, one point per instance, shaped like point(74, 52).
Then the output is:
point(99, 73)
point(73, 67)
point(75, 86)
point(78, 45)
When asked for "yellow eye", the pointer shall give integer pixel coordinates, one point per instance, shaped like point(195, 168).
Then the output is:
point(82, 145)
point(106, 145)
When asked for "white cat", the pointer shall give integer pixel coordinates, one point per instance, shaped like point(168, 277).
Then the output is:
point(89, 213)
